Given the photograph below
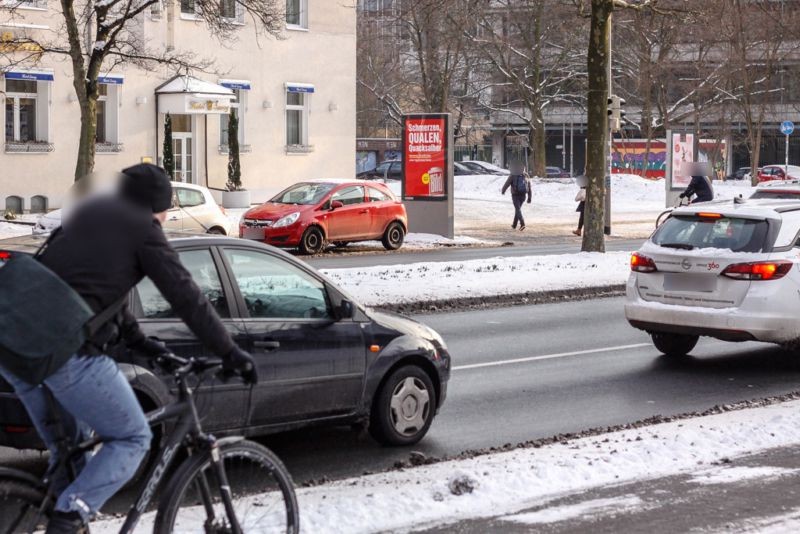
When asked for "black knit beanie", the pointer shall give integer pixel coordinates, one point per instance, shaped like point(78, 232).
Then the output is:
point(148, 186)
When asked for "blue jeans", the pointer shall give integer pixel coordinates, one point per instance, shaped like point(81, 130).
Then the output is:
point(93, 394)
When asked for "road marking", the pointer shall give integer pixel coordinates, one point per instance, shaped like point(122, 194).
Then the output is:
point(549, 356)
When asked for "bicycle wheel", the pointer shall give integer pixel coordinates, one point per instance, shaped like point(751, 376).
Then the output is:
point(263, 494)
point(19, 507)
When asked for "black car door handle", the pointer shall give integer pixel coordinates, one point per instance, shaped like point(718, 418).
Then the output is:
point(269, 345)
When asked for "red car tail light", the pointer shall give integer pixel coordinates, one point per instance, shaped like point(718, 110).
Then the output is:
point(4, 255)
point(762, 270)
point(642, 264)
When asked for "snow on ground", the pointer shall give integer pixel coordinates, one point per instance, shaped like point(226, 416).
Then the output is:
point(726, 475)
point(12, 230)
point(574, 511)
point(478, 278)
point(505, 483)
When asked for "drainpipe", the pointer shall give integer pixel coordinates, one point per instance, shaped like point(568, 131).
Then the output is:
point(156, 123)
point(205, 143)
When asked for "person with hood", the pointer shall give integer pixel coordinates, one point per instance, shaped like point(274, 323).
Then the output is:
point(700, 186)
point(104, 249)
point(520, 189)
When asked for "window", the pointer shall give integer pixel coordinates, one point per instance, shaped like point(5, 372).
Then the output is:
point(296, 118)
point(238, 104)
point(303, 194)
point(201, 266)
point(107, 134)
point(687, 232)
point(189, 198)
point(21, 106)
point(188, 7)
point(228, 9)
point(100, 135)
point(350, 195)
point(297, 13)
point(377, 196)
point(273, 288)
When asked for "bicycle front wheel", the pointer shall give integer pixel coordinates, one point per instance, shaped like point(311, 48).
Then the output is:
point(263, 494)
point(19, 507)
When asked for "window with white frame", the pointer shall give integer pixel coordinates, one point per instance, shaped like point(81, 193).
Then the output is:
point(188, 7)
point(238, 106)
point(297, 117)
point(297, 13)
point(26, 113)
point(107, 133)
point(228, 9)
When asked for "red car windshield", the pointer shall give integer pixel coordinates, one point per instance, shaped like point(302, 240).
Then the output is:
point(304, 194)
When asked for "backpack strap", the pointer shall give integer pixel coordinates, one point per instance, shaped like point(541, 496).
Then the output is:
point(94, 324)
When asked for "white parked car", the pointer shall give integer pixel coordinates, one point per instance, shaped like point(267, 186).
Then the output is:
point(193, 210)
point(490, 168)
point(726, 270)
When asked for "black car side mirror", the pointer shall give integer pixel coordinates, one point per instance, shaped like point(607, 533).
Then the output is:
point(345, 310)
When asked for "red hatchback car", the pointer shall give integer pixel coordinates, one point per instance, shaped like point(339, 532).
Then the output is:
point(310, 214)
point(768, 173)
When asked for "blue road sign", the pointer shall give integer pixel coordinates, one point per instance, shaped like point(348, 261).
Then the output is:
point(787, 127)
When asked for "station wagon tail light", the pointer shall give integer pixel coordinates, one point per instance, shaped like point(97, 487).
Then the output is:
point(642, 264)
point(4, 256)
point(763, 270)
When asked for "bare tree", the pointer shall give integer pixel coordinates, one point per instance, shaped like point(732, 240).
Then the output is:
point(534, 61)
point(101, 35)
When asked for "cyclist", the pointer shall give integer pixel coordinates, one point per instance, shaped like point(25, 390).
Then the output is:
point(103, 250)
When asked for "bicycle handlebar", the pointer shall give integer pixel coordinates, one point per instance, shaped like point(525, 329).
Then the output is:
point(182, 367)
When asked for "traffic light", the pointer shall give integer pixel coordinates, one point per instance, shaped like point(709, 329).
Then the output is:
point(615, 112)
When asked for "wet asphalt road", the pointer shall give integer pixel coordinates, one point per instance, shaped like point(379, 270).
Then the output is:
point(529, 372)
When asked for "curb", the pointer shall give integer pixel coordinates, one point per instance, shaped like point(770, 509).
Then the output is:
point(500, 301)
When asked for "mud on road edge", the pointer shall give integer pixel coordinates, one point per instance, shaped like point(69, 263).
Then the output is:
point(416, 458)
point(502, 301)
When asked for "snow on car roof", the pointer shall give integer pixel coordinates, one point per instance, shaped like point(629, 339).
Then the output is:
point(766, 208)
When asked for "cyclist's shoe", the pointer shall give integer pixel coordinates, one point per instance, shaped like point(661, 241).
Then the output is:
point(240, 362)
point(66, 523)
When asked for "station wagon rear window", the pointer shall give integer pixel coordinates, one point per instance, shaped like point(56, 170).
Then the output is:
point(688, 232)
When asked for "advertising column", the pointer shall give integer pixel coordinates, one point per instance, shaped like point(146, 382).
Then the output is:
point(680, 153)
point(427, 182)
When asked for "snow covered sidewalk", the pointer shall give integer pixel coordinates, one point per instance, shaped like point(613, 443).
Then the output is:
point(507, 482)
point(422, 282)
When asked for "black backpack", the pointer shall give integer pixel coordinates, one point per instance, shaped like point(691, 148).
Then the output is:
point(43, 320)
point(520, 184)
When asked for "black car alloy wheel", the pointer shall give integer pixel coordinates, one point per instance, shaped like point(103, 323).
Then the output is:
point(393, 237)
point(404, 408)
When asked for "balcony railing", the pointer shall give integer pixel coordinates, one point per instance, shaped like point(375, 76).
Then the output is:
point(108, 148)
point(299, 149)
point(223, 149)
point(29, 147)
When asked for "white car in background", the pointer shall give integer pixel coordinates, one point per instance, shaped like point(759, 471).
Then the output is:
point(727, 270)
point(193, 210)
point(490, 168)
point(778, 189)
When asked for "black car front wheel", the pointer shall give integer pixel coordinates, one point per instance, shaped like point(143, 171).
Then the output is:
point(675, 345)
point(312, 241)
point(404, 407)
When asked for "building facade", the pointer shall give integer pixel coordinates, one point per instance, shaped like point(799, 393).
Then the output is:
point(295, 98)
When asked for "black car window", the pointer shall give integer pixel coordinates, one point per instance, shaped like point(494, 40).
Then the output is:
point(188, 198)
point(201, 266)
point(273, 288)
point(376, 196)
point(350, 195)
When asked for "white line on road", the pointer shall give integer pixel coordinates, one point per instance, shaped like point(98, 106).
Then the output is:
point(549, 356)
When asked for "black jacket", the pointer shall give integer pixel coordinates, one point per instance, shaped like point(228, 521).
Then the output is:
point(514, 192)
point(701, 187)
point(105, 248)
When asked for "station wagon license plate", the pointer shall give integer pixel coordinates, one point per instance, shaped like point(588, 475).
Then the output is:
point(701, 283)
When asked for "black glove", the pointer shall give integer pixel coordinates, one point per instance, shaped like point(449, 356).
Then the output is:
point(529, 201)
point(682, 195)
point(241, 363)
point(150, 347)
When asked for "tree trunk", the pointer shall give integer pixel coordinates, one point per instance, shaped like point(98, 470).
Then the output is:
point(538, 153)
point(755, 155)
point(86, 141)
point(597, 126)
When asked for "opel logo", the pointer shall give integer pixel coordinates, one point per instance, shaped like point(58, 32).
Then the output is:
point(686, 264)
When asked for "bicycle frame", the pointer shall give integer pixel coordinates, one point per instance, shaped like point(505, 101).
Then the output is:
point(188, 425)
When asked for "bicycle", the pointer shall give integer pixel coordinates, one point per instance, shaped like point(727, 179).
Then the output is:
point(198, 497)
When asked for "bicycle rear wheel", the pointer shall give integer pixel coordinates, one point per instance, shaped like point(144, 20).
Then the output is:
point(19, 508)
point(263, 494)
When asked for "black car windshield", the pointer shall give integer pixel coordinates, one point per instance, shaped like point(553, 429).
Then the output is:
point(306, 194)
point(693, 231)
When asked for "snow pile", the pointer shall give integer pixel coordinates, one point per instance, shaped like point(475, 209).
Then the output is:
point(13, 230)
point(479, 278)
point(504, 483)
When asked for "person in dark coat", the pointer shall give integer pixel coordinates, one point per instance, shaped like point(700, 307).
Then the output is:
point(580, 198)
point(520, 190)
point(102, 251)
point(701, 187)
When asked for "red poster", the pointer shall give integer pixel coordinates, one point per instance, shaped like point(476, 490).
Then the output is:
point(425, 157)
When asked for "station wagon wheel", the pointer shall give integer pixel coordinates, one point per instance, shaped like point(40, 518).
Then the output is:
point(674, 345)
point(312, 241)
point(404, 407)
point(393, 236)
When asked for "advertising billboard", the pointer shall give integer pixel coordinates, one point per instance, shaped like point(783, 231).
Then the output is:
point(425, 157)
point(682, 145)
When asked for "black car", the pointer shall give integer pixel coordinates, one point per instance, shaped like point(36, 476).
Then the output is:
point(740, 173)
point(322, 358)
point(386, 170)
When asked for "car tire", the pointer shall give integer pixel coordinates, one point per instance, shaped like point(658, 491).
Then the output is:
point(312, 241)
point(674, 345)
point(393, 236)
point(404, 407)
point(216, 231)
